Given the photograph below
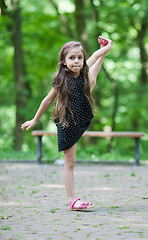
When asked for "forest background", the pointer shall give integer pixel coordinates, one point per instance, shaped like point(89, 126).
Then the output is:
point(31, 36)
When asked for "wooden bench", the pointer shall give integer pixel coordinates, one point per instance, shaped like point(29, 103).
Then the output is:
point(135, 135)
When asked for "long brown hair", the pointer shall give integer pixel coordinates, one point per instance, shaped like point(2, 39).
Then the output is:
point(60, 84)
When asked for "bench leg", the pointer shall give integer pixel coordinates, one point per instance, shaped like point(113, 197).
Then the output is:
point(137, 151)
point(39, 149)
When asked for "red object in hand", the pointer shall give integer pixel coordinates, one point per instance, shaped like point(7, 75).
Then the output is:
point(102, 41)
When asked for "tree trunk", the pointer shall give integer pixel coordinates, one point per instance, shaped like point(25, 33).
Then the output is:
point(19, 73)
point(143, 78)
point(80, 23)
point(63, 19)
point(115, 106)
point(19, 68)
point(143, 54)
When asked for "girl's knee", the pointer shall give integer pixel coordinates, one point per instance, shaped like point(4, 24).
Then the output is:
point(70, 163)
point(69, 156)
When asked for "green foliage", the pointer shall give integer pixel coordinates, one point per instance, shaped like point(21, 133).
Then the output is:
point(43, 36)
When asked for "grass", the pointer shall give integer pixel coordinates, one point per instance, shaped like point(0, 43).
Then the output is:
point(114, 207)
point(95, 226)
point(18, 155)
point(6, 217)
point(50, 157)
point(6, 227)
point(87, 153)
point(124, 227)
point(54, 210)
point(133, 174)
point(106, 175)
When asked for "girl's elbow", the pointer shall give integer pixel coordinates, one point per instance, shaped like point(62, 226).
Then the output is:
point(46, 101)
point(93, 83)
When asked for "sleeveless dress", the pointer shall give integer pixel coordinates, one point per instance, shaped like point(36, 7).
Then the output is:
point(79, 120)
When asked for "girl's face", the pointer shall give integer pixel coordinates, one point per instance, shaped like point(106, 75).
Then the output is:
point(74, 60)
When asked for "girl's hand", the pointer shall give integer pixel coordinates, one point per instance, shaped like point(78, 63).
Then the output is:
point(28, 124)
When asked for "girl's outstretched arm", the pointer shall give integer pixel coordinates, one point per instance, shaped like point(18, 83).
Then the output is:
point(47, 101)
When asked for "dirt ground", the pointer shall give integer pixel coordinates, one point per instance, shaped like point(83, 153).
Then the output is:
point(33, 202)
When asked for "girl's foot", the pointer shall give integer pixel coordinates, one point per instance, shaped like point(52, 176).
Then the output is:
point(102, 41)
point(77, 204)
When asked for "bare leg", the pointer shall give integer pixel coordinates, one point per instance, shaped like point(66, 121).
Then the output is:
point(69, 157)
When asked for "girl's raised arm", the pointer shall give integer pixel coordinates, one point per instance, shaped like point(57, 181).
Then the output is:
point(99, 53)
point(95, 62)
point(47, 101)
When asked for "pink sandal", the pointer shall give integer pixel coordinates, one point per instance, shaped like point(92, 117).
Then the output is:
point(83, 206)
point(102, 41)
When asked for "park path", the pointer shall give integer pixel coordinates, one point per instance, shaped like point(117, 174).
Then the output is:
point(33, 203)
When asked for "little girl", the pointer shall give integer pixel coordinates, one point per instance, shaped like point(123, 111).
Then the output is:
point(72, 114)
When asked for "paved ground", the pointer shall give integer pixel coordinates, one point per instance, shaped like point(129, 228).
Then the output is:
point(33, 203)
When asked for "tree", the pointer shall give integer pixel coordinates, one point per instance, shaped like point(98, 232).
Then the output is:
point(21, 87)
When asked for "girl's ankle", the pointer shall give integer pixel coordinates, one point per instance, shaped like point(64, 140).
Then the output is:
point(71, 199)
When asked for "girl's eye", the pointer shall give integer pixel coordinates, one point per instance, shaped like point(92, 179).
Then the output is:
point(80, 57)
point(72, 58)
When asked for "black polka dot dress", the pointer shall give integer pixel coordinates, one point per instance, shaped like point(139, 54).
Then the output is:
point(81, 111)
